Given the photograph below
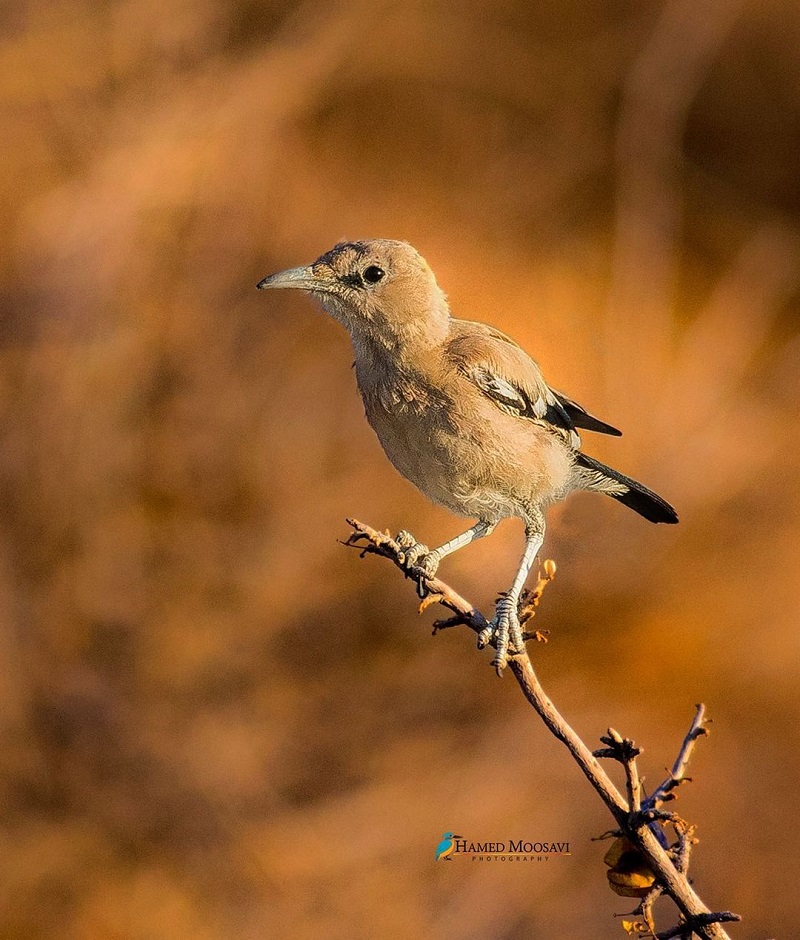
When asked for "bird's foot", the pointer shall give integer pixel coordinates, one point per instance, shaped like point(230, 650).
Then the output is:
point(415, 555)
point(412, 551)
point(504, 633)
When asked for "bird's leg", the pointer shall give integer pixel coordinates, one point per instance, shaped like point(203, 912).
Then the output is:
point(505, 628)
point(419, 556)
point(432, 559)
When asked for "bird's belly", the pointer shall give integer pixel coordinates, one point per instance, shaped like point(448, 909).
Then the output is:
point(487, 469)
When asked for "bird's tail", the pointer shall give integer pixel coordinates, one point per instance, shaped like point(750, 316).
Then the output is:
point(597, 476)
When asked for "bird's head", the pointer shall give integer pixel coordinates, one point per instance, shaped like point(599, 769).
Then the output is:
point(382, 291)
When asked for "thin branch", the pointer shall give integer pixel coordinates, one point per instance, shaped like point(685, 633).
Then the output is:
point(381, 543)
point(677, 776)
point(625, 751)
point(646, 907)
point(635, 824)
point(697, 923)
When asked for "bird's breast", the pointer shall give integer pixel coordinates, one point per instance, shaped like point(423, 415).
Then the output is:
point(427, 438)
point(460, 449)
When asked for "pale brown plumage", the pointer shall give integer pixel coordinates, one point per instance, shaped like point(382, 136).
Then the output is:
point(460, 409)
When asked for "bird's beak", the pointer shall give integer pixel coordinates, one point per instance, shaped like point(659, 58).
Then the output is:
point(298, 278)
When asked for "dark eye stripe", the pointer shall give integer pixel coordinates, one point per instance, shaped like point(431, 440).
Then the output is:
point(351, 280)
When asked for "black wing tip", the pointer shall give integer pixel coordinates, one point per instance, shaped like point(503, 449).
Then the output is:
point(581, 418)
point(589, 423)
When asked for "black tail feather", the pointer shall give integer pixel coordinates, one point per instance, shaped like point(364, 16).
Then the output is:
point(636, 496)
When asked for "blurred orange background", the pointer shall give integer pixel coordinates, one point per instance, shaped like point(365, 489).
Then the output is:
point(216, 721)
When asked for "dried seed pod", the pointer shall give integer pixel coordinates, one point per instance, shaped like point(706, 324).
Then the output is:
point(628, 874)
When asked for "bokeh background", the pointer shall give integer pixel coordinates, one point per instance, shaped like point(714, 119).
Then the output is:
point(217, 722)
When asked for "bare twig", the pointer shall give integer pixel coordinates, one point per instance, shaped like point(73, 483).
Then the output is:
point(636, 822)
point(646, 907)
point(710, 919)
point(381, 543)
point(677, 776)
point(625, 751)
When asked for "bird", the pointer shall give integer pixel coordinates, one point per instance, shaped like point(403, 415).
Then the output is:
point(445, 848)
point(461, 410)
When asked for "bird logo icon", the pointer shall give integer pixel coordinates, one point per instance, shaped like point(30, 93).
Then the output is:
point(445, 848)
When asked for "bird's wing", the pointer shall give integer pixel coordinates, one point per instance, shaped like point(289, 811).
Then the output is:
point(582, 419)
point(506, 373)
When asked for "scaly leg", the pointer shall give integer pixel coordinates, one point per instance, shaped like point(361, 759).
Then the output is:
point(418, 555)
point(505, 627)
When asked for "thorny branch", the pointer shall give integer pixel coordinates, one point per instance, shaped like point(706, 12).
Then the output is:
point(641, 823)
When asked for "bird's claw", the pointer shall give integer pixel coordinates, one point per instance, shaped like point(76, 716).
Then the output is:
point(405, 539)
point(416, 555)
point(504, 633)
point(412, 552)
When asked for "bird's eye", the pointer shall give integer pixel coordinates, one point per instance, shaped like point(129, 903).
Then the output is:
point(373, 274)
